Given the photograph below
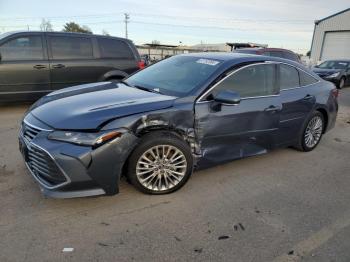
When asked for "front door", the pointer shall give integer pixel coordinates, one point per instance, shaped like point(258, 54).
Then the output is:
point(24, 68)
point(248, 128)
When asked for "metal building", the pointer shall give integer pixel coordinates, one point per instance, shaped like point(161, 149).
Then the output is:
point(331, 39)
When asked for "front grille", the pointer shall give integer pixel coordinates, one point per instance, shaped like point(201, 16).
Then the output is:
point(43, 167)
point(28, 132)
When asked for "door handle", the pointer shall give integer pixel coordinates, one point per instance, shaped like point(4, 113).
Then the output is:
point(58, 66)
point(272, 108)
point(39, 66)
point(308, 97)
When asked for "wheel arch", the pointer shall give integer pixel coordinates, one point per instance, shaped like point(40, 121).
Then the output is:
point(151, 131)
point(325, 117)
point(114, 74)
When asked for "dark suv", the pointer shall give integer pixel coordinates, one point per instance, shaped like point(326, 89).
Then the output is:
point(33, 64)
point(276, 52)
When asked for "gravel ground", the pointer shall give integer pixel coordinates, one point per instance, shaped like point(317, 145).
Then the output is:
point(282, 206)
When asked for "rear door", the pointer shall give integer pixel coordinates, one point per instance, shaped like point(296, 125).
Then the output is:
point(24, 68)
point(297, 99)
point(72, 60)
point(245, 129)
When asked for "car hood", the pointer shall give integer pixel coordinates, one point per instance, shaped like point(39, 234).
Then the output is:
point(325, 71)
point(88, 107)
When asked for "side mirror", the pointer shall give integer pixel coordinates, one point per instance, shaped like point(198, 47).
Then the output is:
point(227, 97)
point(0, 57)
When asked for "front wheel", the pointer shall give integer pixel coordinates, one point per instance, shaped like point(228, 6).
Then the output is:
point(341, 83)
point(161, 164)
point(312, 132)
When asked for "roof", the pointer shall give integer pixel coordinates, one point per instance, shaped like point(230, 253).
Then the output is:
point(319, 21)
point(227, 56)
point(59, 32)
point(230, 59)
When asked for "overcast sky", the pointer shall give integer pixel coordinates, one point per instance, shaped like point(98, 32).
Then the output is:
point(284, 23)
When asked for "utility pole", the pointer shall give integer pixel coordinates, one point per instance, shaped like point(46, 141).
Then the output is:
point(126, 21)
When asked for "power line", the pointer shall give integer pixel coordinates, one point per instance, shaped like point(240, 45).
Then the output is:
point(167, 16)
point(127, 21)
point(213, 27)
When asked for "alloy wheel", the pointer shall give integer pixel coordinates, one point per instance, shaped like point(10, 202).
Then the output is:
point(313, 131)
point(161, 167)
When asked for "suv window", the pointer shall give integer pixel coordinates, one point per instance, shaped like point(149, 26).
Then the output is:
point(256, 80)
point(113, 48)
point(65, 47)
point(289, 77)
point(23, 48)
point(276, 54)
point(306, 79)
point(290, 56)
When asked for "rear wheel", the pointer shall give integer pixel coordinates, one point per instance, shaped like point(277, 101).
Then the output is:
point(161, 164)
point(312, 132)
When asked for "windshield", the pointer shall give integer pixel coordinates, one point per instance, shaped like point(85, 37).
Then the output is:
point(245, 51)
point(175, 76)
point(3, 35)
point(334, 65)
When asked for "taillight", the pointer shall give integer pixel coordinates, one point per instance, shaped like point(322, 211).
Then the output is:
point(335, 92)
point(141, 65)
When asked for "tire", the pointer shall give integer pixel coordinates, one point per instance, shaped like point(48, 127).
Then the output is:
point(152, 175)
point(341, 83)
point(308, 139)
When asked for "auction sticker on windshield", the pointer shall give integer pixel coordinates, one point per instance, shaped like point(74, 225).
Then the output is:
point(207, 62)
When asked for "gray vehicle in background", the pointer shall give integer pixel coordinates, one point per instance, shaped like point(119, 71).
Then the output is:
point(33, 64)
point(336, 71)
point(274, 52)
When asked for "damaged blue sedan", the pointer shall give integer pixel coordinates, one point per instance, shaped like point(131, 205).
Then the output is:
point(183, 113)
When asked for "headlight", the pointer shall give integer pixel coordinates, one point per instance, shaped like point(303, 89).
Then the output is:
point(85, 139)
point(334, 75)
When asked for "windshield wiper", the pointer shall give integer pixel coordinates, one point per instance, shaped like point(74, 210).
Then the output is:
point(148, 89)
point(125, 83)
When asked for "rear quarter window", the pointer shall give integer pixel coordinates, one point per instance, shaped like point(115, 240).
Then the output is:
point(113, 48)
point(306, 79)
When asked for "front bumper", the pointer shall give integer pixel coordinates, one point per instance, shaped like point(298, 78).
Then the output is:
point(65, 170)
point(334, 80)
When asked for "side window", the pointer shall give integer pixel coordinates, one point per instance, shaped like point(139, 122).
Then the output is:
point(64, 47)
point(23, 48)
point(306, 79)
point(255, 80)
point(290, 56)
point(112, 48)
point(289, 77)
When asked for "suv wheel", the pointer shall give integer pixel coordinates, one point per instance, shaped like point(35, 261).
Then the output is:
point(161, 164)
